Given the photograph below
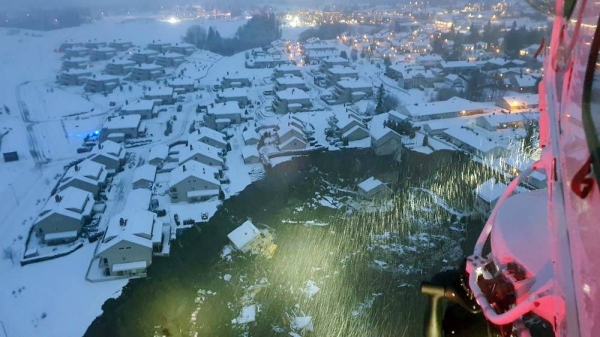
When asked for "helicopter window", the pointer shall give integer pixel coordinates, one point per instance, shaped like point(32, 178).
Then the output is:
point(549, 6)
point(591, 107)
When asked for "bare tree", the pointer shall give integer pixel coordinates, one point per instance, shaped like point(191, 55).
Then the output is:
point(9, 253)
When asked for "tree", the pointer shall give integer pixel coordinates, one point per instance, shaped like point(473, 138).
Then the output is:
point(425, 141)
point(345, 141)
point(343, 54)
point(6, 109)
point(196, 35)
point(130, 88)
point(387, 61)
point(380, 94)
point(121, 87)
point(221, 195)
point(8, 253)
point(353, 55)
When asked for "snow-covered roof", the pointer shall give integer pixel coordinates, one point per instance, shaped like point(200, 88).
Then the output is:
point(287, 128)
point(339, 70)
point(148, 66)
point(292, 140)
point(138, 227)
point(144, 172)
point(121, 62)
point(290, 80)
point(369, 184)
point(182, 81)
point(250, 134)
point(525, 80)
point(169, 55)
point(502, 118)
point(145, 52)
point(292, 94)
point(455, 104)
point(354, 84)
point(141, 105)
point(160, 151)
point(199, 148)
point(458, 64)
point(87, 168)
point(249, 151)
point(138, 199)
point(72, 202)
point(75, 71)
point(104, 49)
point(287, 67)
point(519, 99)
point(491, 190)
point(225, 108)
point(354, 129)
point(161, 91)
point(111, 148)
point(193, 169)
point(244, 234)
point(469, 137)
point(247, 315)
point(233, 92)
point(204, 132)
point(103, 78)
point(123, 122)
point(126, 266)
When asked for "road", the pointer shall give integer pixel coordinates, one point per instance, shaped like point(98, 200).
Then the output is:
point(34, 148)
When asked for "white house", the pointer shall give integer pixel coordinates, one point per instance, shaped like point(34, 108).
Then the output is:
point(250, 137)
point(110, 154)
point(158, 155)
point(123, 127)
point(87, 175)
point(63, 215)
point(144, 176)
point(222, 115)
point(250, 155)
point(143, 107)
point(129, 242)
point(138, 199)
point(373, 189)
point(453, 107)
point(202, 153)
point(246, 237)
point(208, 136)
point(193, 182)
point(293, 143)
point(487, 195)
point(385, 141)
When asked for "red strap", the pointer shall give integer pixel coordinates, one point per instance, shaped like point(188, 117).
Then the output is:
point(582, 182)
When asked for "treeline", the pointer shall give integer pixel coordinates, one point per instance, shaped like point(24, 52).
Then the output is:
point(259, 31)
point(517, 39)
point(46, 19)
point(324, 32)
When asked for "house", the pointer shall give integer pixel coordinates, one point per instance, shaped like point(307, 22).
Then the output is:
point(350, 91)
point(101, 83)
point(385, 141)
point(110, 154)
point(146, 72)
point(163, 95)
point(102, 53)
point(202, 153)
point(183, 85)
point(351, 129)
point(474, 142)
point(158, 155)
point(288, 131)
point(287, 69)
point(233, 94)
point(459, 67)
point(64, 215)
point(144, 108)
point(330, 62)
point(161, 47)
point(246, 237)
point(123, 127)
point(291, 100)
point(289, 81)
point(250, 137)
point(139, 198)
point(373, 189)
point(183, 49)
point(357, 132)
point(193, 182)
point(429, 60)
point(75, 63)
point(453, 107)
point(487, 195)
point(169, 59)
point(144, 176)
point(335, 74)
point(293, 143)
point(66, 45)
point(77, 52)
point(10, 156)
point(119, 67)
point(94, 44)
point(74, 76)
point(524, 83)
point(266, 61)
point(120, 45)
point(453, 80)
point(500, 121)
point(141, 56)
point(250, 155)
point(222, 115)
point(88, 175)
point(131, 238)
point(236, 80)
point(208, 136)
point(515, 102)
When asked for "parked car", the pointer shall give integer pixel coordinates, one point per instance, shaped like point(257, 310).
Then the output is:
point(84, 149)
point(268, 93)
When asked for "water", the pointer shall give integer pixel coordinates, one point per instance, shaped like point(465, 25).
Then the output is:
point(357, 296)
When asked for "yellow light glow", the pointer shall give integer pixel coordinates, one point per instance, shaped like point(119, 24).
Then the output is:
point(173, 20)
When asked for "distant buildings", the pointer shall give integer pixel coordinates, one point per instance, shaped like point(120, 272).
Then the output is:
point(119, 67)
point(120, 45)
point(183, 49)
point(146, 72)
point(140, 56)
point(336, 74)
point(74, 76)
point(235, 81)
point(102, 53)
point(75, 63)
point(160, 47)
point(454, 107)
point(289, 82)
point(124, 127)
point(169, 59)
point(287, 69)
point(101, 83)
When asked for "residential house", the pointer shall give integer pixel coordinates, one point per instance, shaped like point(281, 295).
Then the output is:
point(487, 195)
point(202, 153)
point(139, 198)
point(123, 127)
point(161, 47)
point(183, 85)
point(146, 72)
point(110, 154)
point(74, 76)
point(233, 94)
point(351, 129)
point(77, 52)
point(250, 137)
point(350, 91)
point(94, 44)
point(131, 238)
point(63, 216)
point(144, 108)
point(208, 136)
point(120, 45)
point(474, 141)
point(102, 53)
point(161, 95)
point(291, 100)
point(75, 63)
point(500, 121)
point(158, 155)
point(289, 82)
point(524, 83)
point(451, 108)
point(459, 67)
point(236, 81)
point(330, 62)
point(144, 176)
point(101, 83)
point(222, 115)
point(454, 81)
point(169, 59)
point(336, 74)
point(373, 189)
point(183, 48)
point(119, 67)
point(385, 141)
point(287, 69)
point(515, 102)
point(142, 56)
point(429, 60)
point(193, 182)
point(246, 237)
point(87, 175)
point(250, 155)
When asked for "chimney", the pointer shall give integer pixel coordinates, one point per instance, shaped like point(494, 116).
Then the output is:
point(57, 198)
point(121, 222)
point(191, 148)
point(76, 167)
point(183, 166)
